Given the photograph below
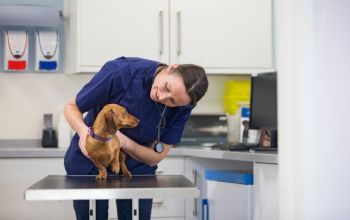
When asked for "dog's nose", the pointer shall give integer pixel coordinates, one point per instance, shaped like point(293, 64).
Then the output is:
point(137, 120)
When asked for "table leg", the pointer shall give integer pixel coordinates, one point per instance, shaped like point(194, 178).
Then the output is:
point(92, 210)
point(135, 209)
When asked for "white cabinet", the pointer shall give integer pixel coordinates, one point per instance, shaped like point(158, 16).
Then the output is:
point(17, 174)
point(265, 185)
point(98, 31)
point(195, 172)
point(224, 36)
point(265, 191)
point(169, 207)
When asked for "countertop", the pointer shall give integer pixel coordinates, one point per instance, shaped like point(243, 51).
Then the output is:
point(188, 151)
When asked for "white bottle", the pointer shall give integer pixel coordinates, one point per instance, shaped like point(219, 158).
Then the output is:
point(233, 128)
point(64, 132)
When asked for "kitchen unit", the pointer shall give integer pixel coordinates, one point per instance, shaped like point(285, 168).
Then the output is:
point(191, 162)
point(311, 173)
point(224, 36)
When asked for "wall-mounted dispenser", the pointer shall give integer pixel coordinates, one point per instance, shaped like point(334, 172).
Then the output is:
point(29, 15)
point(16, 50)
point(46, 50)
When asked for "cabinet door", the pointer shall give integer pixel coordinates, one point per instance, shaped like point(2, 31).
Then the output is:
point(195, 172)
point(108, 29)
point(223, 35)
point(20, 173)
point(265, 191)
point(169, 207)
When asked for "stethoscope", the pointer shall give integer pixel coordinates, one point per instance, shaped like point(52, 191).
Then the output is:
point(158, 147)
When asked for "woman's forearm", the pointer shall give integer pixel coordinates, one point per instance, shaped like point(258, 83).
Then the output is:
point(142, 153)
point(74, 117)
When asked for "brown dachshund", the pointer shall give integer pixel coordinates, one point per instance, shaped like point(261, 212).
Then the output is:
point(103, 144)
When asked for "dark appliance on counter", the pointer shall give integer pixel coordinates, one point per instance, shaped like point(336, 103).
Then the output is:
point(263, 109)
point(204, 130)
point(49, 138)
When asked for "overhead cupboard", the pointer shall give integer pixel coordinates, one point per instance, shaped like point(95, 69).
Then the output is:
point(224, 36)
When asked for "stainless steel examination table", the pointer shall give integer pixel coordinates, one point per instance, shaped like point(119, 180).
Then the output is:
point(79, 187)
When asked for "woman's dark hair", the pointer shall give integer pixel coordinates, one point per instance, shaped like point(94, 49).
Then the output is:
point(195, 79)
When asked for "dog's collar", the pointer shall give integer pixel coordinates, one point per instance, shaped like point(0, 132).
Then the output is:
point(95, 136)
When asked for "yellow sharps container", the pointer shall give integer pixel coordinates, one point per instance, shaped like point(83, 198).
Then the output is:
point(236, 94)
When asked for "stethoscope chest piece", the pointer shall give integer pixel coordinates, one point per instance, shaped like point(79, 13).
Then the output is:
point(158, 147)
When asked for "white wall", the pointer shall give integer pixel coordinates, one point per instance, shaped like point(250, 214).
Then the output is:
point(313, 59)
point(26, 97)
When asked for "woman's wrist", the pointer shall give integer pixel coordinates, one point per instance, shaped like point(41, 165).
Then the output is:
point(123, 140)
point(82, 130)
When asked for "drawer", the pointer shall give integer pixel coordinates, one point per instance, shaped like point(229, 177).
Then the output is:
point(170, 207)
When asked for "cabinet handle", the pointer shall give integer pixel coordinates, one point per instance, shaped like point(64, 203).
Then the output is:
point(195, 201)
point(161, 32)
point(178, 16)
point(158, 202)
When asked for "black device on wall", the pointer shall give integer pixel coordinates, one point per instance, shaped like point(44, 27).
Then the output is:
point(263, 105)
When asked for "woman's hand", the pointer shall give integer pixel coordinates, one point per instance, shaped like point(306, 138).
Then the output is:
point(75, 119)
point(123, 140)
point(82, 142)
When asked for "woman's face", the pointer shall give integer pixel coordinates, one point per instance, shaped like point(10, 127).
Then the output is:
point(169, 89)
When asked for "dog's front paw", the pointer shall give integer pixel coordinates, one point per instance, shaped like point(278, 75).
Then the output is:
point(101, 177)
point(116, 169)
point(126, 173)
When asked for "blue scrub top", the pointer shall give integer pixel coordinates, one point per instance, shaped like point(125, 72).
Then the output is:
point(126, 81)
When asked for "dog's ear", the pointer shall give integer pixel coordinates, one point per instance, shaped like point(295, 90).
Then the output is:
point(111, 120)
point(116, 114)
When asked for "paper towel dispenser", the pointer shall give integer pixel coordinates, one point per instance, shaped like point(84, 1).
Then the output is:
point(29, 15)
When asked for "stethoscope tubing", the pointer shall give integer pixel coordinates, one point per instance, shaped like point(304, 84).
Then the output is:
point(161, 124)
